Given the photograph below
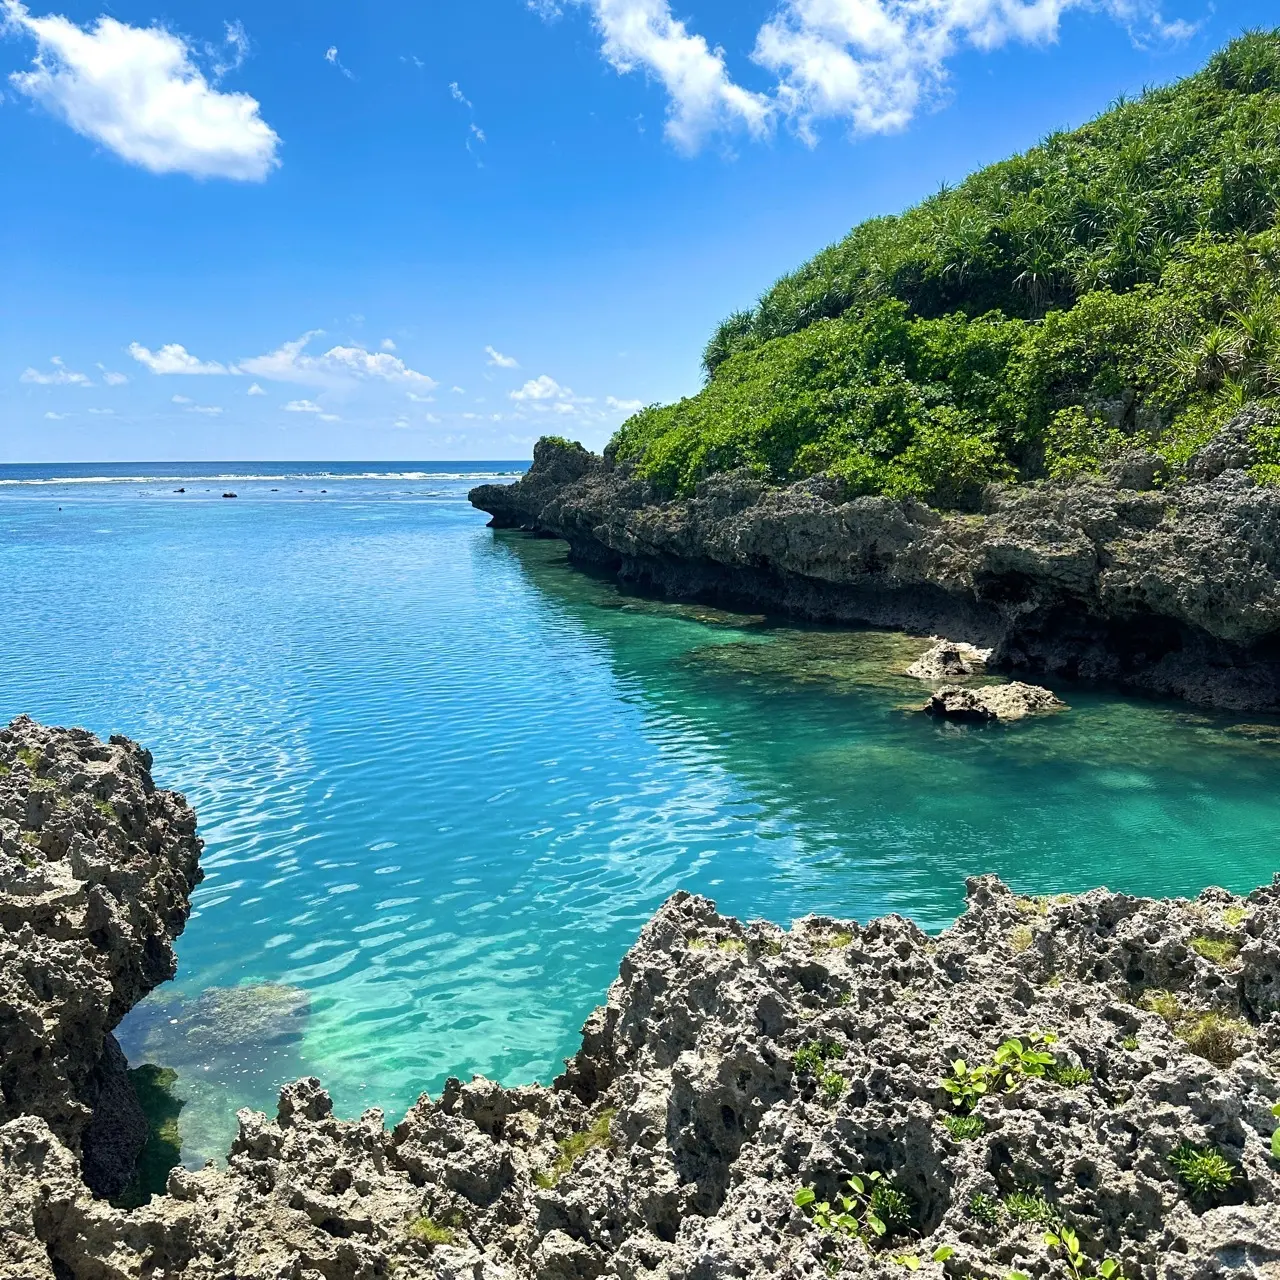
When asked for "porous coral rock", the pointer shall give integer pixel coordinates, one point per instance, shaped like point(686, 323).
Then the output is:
point(1013, 701)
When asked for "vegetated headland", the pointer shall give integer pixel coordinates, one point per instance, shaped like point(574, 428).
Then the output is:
point(1039, 412)
point(1067, 1087)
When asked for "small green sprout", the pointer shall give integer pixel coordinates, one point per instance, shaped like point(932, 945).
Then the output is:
point(810, 1058)
point(1028, 1206)
point(967, 1086)
point(943, 1252)
point(1130, 1043)
point(985, 1208)
point(870, 1207)
point(908, 1260)
point(1068, 1075)
point(1018, 1062)
point(965, 1128)
point(1204, 1171)
point(1219, 950)
point(429, 1231)
point(1065, 1240)
point(1165, 1003)
point(1275, 1137)
point(832, 1085)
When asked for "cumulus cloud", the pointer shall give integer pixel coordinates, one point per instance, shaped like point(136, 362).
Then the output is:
point(56, 417)
point(102, 413)
point(499, 361)
point(388, 344)
point(291, 363)
point(644, 35)
point(255, 390)
point(541, 388)
point(210, 410)
point(173, 357)
point(871, 63)
point(113, 379)
point(139, 92)
point(624, 406)
point(310, 406)
point(58, 376)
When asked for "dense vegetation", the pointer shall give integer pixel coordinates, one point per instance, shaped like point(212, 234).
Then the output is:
point(1115, 287)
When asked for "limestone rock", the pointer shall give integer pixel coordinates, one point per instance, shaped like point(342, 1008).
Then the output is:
point(1174, 591)
point(949, 659)
point(1013, 701)
point(96, 872)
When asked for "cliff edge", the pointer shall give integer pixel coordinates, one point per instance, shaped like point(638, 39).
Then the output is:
point(1173, 591)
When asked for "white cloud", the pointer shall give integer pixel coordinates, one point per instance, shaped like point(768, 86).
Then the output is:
point(291, 363)
point(388, 344)
point(644, 35)
point(113, 379)
point(182, 400)
point(499, 361)
point(58, 376)
point(624, 406)
point(173, 357)
point(414, 396)
point(541, 388)
point(331, 57)
point(255, 390)
point(873, 63)
point(56, 417)
point(303, 406)
point(139, 92)
point(458, 96)
point(876, 62)
point(102, 413)
point(210, 410)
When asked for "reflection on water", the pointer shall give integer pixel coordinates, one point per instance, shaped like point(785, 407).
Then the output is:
point(444, 777)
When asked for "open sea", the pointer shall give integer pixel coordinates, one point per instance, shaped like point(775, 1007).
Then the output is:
point(444, 778)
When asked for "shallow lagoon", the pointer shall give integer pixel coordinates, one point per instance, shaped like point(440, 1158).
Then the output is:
point(444, 778)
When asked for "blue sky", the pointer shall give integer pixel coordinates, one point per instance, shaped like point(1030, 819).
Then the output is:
point(437, 230)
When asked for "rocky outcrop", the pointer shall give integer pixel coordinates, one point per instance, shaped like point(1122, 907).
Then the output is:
point(96, 871)
point(949, 659)
point(1013, 701)
point(737, 1078)
point(1173, 590)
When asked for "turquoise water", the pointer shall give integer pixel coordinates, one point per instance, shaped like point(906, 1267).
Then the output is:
point(444, 778)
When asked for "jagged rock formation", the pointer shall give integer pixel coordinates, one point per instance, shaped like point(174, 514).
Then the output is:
point(1013, 701)
point(96, 872)
point(949, 659)
point(1174, 590)
point(731, 1066)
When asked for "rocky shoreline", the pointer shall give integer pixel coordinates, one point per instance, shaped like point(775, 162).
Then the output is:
point(739, 1080)
point(1171, 590)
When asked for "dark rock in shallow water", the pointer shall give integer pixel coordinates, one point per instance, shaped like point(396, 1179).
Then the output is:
point(1173, 591)
point(1014, 701)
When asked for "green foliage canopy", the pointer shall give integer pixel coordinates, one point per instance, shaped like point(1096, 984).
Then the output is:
point(1115, 286)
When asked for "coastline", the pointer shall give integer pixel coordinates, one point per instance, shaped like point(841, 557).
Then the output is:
point(732, 1069)
point(1171, 592)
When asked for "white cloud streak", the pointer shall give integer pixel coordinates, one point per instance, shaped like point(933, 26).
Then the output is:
point(338, 365)
point(173, 358)
point(498, 361)
point(58, 376)
point(139, 92)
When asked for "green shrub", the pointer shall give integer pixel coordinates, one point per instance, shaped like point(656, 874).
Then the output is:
point(965, 1128)
point(985, 1208)
point(1030, 1206)
point(1204, 1171)
point(810, 1058)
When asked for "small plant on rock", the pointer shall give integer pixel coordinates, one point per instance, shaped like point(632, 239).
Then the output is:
point(1234, 917)
point(985, 1208)
point(1219, 950)
point(1021, 938)
point(1068, 1075)
point(832, 1085)
point(1130, 1043)
point(965, 1128)
point(1204, 1171)
point(1275, 1137)
point(867, 1209)
point(731, 946)
point(810, 1058)
point(1030, 1206)
point(1018, 1061)
point(967, 1086)
point(575, 1146)
point(1065, 1240)
point(1165, 1003)
point(1214, 1036)
point(429, 1231)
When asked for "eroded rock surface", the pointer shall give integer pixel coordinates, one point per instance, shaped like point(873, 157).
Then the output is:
point(1013, 701)
point(1173, 590)
point(949, 659)
point(96, 870)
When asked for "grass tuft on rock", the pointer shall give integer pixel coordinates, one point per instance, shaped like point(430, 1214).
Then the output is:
point(430, 1232)
point(1204, 1171)
point(1219, 950)
point(575, 1146)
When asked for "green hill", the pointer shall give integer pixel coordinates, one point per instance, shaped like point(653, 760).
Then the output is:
point(1116, 286)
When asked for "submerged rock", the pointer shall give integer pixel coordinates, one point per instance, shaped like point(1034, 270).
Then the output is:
point(735, 1069)
point(949, 659)
point(1014, 701)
